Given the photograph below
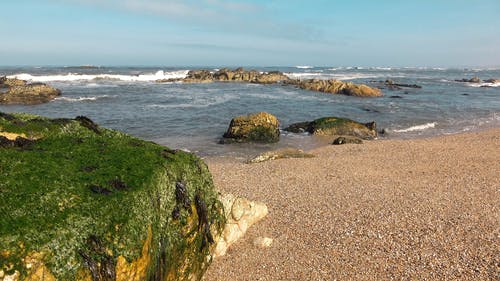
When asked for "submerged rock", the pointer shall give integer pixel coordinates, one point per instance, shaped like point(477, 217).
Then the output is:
point(20, 92)
point(88, 203)
point(280, 154)
point(260, 127)
point(335, 126)
point(336, 87)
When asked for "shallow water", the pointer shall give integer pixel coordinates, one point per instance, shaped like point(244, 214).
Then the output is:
point(194, 116)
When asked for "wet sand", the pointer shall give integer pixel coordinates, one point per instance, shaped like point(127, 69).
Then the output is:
point(423, 209)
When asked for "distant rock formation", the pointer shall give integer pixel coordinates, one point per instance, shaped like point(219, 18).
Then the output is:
point(16, 91)
point(335, 126)
point(236, 75)
point(260, 127)
point(333, 86)
point(273, 77)
point(472, 80)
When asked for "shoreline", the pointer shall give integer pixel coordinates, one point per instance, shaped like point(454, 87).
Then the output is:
point(423, 208)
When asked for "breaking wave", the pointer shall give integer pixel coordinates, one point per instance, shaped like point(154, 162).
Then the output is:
point(116, 77)
point(417, 128)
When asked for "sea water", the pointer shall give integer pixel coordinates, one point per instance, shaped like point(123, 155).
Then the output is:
point(193, 117)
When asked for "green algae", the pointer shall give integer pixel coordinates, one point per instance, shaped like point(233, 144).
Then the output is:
point(73, 184)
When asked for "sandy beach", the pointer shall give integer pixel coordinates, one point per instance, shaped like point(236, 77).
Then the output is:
point(422, 209)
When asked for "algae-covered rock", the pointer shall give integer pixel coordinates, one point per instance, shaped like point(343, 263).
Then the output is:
point(20, 92)
point(333, 86)
point(335, 126)
point(260, 127)
point(80, 202)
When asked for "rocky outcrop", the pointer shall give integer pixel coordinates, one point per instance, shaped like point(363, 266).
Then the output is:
point(335, 126)
point(273, 77)
point(81, 202)
point(241, 214)
point(336, 87)
point(17, 91)
point(260, 127)
point(228, 75)
point(279, 154)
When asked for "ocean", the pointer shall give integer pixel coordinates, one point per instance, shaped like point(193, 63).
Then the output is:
point(193, 117)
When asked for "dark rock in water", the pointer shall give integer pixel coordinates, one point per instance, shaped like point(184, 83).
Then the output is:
point(300, 127)
point(336, 126)
point(260, 127)
point(401, 85)
point(20, 92)
point(64, 219)
point(472, 80)
point(346, 140)
point(492, 81)
point(336, 87)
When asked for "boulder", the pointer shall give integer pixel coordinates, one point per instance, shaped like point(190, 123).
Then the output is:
point(280, 154)
point(21, 92)
point(335, 126)
point(81, 202)
point(333, 86)
point(260, 127)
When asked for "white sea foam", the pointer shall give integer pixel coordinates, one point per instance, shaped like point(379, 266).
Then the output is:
point(76, 99)
point(338, 76)
point(304, 66)
point(417, 128)
point(87, 77)
point(478, 85)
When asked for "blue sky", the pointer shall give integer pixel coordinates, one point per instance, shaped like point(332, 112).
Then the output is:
point(259, 32)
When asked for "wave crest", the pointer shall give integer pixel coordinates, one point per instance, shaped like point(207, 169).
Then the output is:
point(116, 77)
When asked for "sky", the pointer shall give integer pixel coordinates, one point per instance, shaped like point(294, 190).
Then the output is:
point(433, 33)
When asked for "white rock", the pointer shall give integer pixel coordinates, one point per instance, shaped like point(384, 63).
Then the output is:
point(263, 242)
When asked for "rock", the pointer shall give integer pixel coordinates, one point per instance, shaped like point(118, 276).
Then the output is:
point(335, 126)
point(228, 75)
point(336, 87)
point(240, 214)
point(263, 242)
point(279, 154)
point(20, 92)
point(492, 81)
point(88, 203)
point(260, 127)
point(391, 85)
point(472, 80)
point(345, 140)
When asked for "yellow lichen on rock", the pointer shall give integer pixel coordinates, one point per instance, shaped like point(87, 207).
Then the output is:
point(12, 136)
point(136, 270)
